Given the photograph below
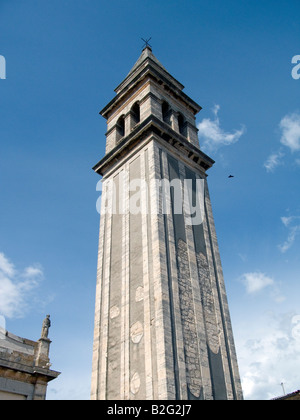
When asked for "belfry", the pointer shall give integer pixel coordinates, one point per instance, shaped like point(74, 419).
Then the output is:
point(162, 323)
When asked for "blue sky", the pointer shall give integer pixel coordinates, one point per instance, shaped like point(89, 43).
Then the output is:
point(63, 60)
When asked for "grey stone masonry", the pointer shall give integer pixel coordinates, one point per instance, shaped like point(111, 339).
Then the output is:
point(162, 324)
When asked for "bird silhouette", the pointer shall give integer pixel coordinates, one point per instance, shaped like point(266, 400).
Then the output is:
point(231, 176)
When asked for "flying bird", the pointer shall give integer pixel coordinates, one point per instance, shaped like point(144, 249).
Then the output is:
point(231, 176)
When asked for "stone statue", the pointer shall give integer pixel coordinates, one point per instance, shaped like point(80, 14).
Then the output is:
point(46, 326)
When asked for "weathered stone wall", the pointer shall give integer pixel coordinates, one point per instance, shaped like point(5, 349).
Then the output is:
point(24, 367)
point(162, 326)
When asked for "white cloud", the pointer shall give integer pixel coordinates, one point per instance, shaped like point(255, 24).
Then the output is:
point(16, 287)
point(290, 126)
point(256, 281)
point(273, 161)
point(294, 231)
point(269, 353)
point(213, 135)
point(290, 138)
point(6, 266)
point(286, 220)
point(33, 271)
point(293, 226)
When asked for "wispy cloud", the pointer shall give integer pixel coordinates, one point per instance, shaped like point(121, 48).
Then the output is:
point(6, 267)
point(290, 126)
point(212, 134)
point(16, 287)
point(274, 160)
point(292, 223)
point(256, 281)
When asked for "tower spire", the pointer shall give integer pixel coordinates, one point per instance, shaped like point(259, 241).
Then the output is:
point(162, 324)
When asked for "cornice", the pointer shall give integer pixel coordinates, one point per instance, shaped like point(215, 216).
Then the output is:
point(165, 133)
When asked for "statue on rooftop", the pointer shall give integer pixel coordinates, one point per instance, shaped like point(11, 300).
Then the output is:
point(45, 327)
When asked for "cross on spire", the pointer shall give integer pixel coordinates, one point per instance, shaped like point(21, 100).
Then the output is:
point(146, 41)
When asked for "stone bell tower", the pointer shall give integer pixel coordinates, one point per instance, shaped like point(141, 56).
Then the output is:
point(162, 324)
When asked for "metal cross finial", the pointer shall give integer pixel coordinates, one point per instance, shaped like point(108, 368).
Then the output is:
point(146, 42)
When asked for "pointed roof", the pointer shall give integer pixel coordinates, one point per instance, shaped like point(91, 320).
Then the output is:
point(146, 53)
point(148, 65)
point(146, 59)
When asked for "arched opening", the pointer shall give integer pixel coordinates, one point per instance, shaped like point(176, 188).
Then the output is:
point(120, 127)
point(181, 124)
point(135, 113)
point(166, 112)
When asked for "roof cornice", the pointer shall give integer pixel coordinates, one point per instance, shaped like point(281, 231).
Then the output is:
point(150, 72)
point(164, 133)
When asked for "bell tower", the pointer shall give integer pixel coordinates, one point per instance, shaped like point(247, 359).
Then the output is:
point(162, 324)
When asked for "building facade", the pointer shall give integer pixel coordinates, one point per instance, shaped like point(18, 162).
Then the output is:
point(25, 366)
point(162, 324)
point(293, 396)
